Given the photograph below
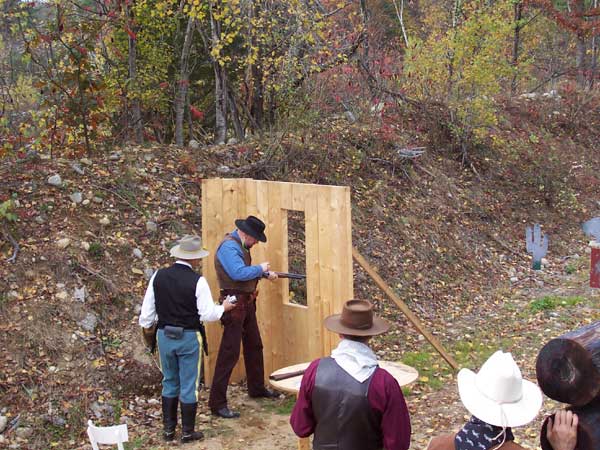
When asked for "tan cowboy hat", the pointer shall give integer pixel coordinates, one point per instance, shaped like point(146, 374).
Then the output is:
point(189, 247)
point(498, 394)
point(356, 319)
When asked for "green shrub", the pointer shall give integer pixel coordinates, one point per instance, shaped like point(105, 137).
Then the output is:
point(571, 268)
point(550, 302)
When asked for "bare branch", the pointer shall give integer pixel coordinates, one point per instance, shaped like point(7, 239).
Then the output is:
point(13, 242)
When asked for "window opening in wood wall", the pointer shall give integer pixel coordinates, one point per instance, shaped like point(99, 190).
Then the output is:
point(296, 256)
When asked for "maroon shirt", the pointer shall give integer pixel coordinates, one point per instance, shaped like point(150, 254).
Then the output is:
point(385, 396)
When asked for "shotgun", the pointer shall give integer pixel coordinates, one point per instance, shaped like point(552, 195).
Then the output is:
point(293, 276)
point(285, 376)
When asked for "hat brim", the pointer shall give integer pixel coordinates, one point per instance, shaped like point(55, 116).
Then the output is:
point(241, 224)
point(502, 415)
point(177, 252)
point(334, 323)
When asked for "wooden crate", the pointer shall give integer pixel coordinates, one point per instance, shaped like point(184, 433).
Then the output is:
point(291, 333)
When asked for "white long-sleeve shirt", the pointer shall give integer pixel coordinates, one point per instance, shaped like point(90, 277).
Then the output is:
point(208, 311)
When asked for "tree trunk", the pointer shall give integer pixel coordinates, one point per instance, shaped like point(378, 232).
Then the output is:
point(235, 117)
point(588, 429)
point(220, 85)
point(220, 104)
point(580, 60)
point(580, 52)
point(518, 9)
point(256, 73)
point(594, 62)
point(400, 15)
point(568, 367)
point(184, 81)
point(136, 112)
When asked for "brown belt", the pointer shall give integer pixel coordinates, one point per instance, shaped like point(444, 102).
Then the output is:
point(234, 292)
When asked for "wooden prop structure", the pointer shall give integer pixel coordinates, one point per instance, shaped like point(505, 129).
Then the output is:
point(568, 370)
point(291, 333)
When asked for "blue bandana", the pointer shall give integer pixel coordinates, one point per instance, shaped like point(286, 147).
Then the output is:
point(478, 435)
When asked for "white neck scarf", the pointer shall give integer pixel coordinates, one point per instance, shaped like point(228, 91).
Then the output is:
point(356, 358)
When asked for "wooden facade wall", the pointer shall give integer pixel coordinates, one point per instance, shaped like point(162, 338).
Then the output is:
point(291, 333)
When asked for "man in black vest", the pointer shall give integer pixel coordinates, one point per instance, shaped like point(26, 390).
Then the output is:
point(238, 277)
point(180, 299)
point(347, 401)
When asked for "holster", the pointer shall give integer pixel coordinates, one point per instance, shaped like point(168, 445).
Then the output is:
point(149, 337)
point(243, 297)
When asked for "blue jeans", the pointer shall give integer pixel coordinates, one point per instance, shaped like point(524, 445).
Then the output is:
point(180, 363)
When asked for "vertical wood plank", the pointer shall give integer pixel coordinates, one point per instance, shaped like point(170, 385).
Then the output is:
point(284, 350)
point(231, 203)
point(260, 254)
point(341, 252)
point(327, 252)
point(348, 283)
point(211, 235)
point(313, 336)
point(315, 333)
point(273, 324)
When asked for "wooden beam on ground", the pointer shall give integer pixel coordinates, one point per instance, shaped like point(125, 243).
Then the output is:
point(403, 307)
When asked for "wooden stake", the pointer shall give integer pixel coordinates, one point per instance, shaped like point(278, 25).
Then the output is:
point(403, 307)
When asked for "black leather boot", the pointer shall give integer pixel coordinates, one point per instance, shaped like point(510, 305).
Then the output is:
point(169, 410)
point(188, 423)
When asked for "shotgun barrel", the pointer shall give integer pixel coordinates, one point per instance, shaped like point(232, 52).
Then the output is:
point(293, 276)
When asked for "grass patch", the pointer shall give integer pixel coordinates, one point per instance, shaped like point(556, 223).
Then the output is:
point(111, 342)
point(282, 407)
point(56, 432)
point(137, 442)
point(77, 418)
point(117, 406)
point(571, 268)
point(96, 250)
point(216, 429)
point(472, 354)
point(550, 302)
point(435, 372)
point(428, 366)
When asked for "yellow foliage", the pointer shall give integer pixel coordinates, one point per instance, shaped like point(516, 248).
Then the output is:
point(464, 67)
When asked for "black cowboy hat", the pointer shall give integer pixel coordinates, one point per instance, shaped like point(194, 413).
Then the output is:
point(252, 226)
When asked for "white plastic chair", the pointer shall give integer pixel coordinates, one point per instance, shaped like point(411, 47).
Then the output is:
point(107, 435)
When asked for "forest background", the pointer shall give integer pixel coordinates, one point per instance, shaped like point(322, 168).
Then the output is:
point(79, 77)
point(455, 123)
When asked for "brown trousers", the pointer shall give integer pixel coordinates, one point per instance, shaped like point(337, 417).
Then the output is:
point(239, 326)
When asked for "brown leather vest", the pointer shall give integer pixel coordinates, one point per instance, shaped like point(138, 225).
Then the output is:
point(225, 281)
point(345, 420)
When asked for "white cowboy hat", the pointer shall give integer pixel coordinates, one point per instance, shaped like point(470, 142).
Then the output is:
point(498, 394)
point(189, 247)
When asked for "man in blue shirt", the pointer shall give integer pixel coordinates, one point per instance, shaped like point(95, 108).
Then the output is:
point(238, 277)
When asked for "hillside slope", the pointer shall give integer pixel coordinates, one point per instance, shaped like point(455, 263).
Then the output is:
point(447, 236)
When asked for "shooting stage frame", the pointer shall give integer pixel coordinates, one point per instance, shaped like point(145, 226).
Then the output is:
point(291, 333)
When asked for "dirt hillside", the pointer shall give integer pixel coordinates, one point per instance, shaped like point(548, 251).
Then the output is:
point(446, 233)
